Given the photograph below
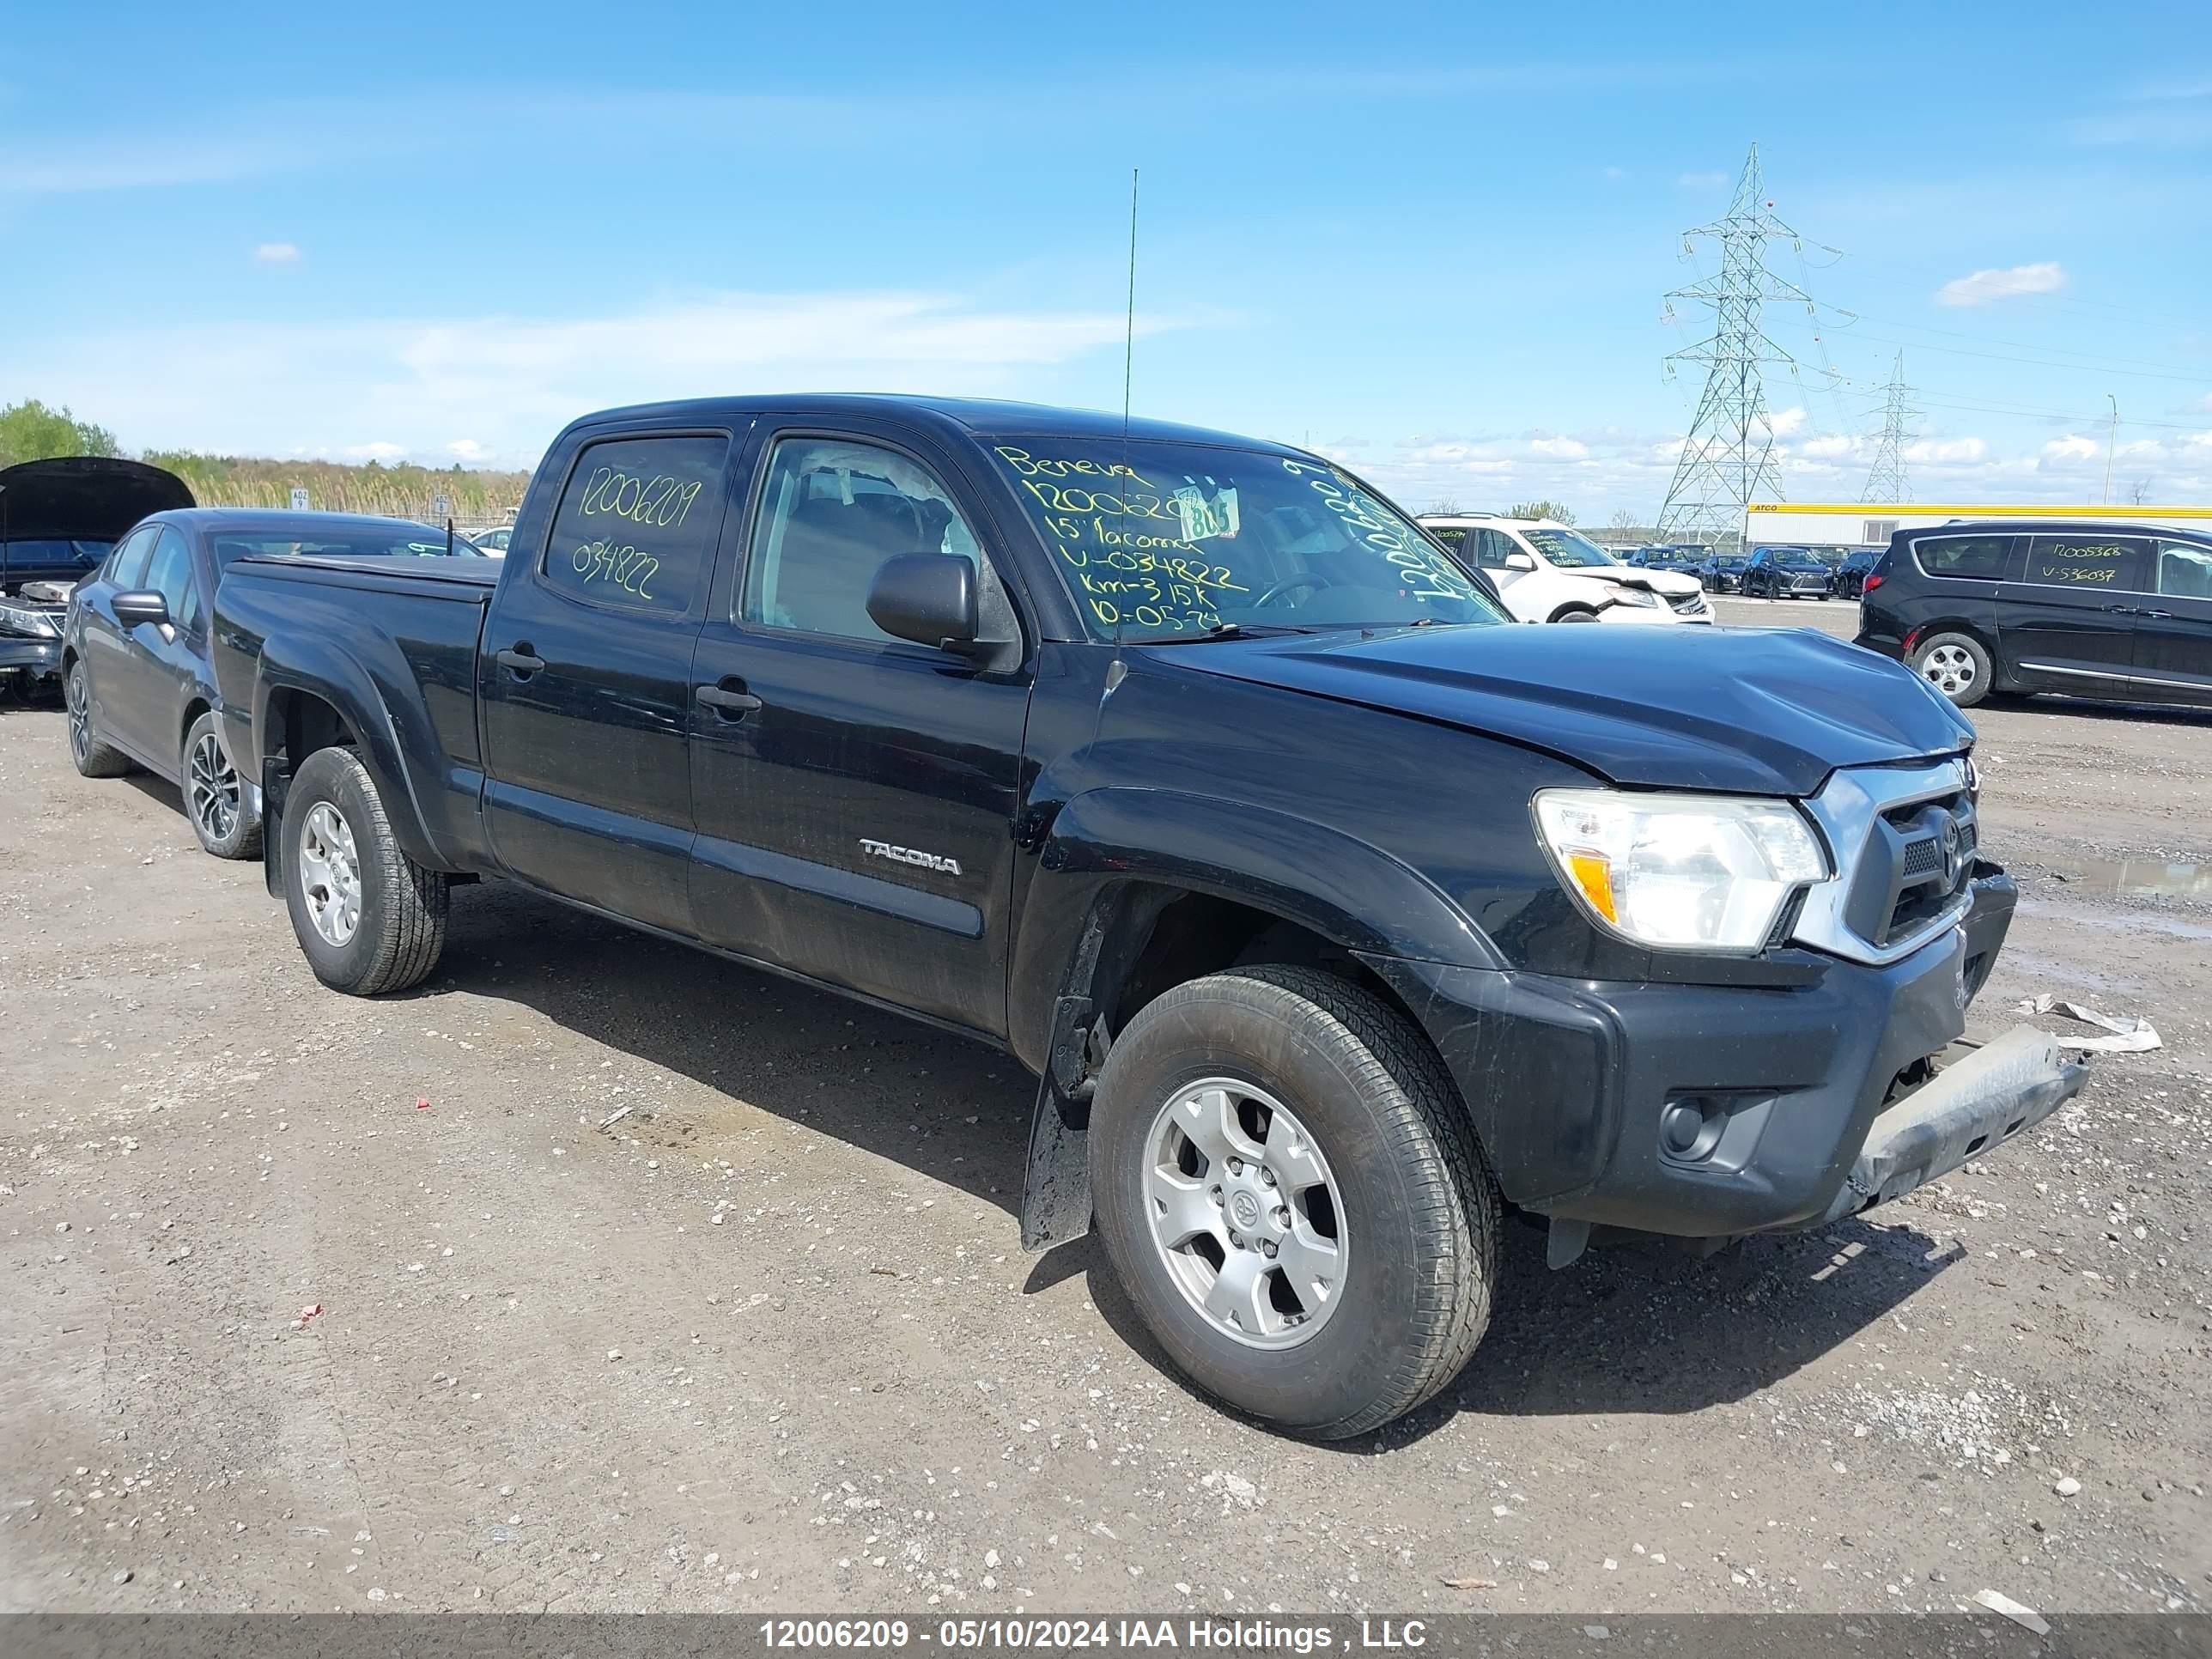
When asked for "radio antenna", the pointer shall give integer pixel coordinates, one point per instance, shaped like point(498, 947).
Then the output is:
point(1128, 373)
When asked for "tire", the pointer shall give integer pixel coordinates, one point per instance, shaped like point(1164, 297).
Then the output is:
point(227, 823)
point(1419, 1216)
point(1575, 613)
point(1957, 664)
point(397, 908)
point(94, 758)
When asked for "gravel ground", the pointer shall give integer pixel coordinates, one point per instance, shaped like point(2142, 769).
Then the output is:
point(768, 1341)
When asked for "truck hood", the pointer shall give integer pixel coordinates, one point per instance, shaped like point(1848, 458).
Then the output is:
point(1758, 713)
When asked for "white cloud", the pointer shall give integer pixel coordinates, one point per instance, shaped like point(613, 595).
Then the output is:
point(2072, 447)
point(1786, 422)
point(1702, 180)
point(1946, 451)
point(381, 450)
point(467, 449)
point(511, 383)
point(1984, 286)
point(1560, 449)
point(1828, 449)
point(277, 253)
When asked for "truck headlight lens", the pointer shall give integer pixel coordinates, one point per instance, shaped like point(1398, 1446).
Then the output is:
point(1679, 873)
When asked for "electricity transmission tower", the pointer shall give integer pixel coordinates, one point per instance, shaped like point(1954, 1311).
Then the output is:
point(1885, 482)
point(1728, 456)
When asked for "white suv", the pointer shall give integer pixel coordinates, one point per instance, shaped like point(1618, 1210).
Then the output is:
point(1546, 571)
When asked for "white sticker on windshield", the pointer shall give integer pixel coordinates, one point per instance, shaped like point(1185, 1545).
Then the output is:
point(1203, 519)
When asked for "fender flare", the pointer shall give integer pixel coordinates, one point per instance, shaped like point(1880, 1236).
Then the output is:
point(1073, 939)
point(291, 665)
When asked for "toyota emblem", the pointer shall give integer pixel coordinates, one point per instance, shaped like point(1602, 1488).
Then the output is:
point(1953, 854)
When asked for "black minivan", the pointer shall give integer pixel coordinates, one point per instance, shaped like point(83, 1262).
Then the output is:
point(2094, 608)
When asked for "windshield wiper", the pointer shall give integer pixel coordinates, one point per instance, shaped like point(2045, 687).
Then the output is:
point(1228, 630)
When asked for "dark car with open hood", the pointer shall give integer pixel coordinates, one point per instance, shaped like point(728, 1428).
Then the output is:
point(59, 519)
point(1336, 916)
point(135, 636)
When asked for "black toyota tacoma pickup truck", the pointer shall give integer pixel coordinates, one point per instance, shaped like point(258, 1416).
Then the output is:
point(1336, 918)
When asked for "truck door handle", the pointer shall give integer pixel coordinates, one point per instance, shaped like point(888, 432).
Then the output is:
point(519, 662)
point(2122, 611)
point(2157, 616)
point(731, 701)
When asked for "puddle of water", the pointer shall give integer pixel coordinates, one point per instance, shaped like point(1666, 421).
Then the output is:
point(2140, 879)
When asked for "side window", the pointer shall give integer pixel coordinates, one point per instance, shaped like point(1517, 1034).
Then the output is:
point(1978, 558)
point(170, 574)
point(126, 566)
point(833, 512)
point(2102, 563)
point(636, 526)
point(1453, 536)
point(2185, 570)
point(1490, 548)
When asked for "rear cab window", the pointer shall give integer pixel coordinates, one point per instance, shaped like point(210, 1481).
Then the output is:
point(2102, 563)
point(1965, 558)
point(637, 522)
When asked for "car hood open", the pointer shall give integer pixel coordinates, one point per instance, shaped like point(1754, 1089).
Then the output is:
point(1766, 713)
point(77, 498)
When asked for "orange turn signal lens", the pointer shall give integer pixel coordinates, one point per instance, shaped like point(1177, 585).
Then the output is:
point(1594, 875)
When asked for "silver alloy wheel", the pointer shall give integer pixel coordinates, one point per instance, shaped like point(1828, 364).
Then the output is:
point(79, 713)
point(211, 787)
point(1245, 1214)
point(329, 875)
point(1949, 669)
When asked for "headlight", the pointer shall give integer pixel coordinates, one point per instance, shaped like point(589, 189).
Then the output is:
point(1679, 873)
point(1635, 595)
point(27, 621)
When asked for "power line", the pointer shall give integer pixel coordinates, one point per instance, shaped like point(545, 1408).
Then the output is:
point(1886, 478)
point(1728, 456)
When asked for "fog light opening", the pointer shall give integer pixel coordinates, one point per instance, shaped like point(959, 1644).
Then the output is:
point(1689, 1128)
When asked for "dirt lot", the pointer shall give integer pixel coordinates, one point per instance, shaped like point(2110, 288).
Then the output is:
point(769, 1341)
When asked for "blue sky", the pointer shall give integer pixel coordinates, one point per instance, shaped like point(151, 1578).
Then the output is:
point(1433, 241)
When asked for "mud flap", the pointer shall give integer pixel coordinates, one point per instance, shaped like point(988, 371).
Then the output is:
point(1057, 1191)
point(273, 782)
point(1973, 1104)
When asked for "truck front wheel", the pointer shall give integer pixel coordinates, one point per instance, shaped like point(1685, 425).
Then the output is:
point(370, 919)
point(1293, 1197)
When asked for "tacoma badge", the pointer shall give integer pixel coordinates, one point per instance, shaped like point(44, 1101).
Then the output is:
point(884, 849)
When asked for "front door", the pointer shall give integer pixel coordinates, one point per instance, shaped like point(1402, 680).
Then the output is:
point(2071, 624)
point(856, 793)
point(2174, 636)
point(140, 703)
point(584, 678)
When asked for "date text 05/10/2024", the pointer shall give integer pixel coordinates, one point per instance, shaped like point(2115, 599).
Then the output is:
point(1064, 1634)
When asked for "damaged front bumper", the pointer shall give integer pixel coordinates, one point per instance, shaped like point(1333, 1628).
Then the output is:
point(1707, 1112)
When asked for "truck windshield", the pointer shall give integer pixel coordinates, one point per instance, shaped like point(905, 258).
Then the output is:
point(1161, 541)
point(1569, 548)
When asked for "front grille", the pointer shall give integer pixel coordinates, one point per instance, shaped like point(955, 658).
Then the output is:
point(1918, 860)
point(1688, 604)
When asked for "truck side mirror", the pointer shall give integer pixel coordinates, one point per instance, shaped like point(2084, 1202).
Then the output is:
point(140, 605)
point(927, 598)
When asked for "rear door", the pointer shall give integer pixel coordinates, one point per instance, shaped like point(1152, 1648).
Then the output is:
point(2070, 623)
point(584, 678)
point(856, 793)
point(2174, 636)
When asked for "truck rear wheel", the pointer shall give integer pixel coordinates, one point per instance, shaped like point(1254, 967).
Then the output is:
point(1293, 1197)
point(370, 919)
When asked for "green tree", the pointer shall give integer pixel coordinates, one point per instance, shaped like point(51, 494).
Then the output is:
point(33, 431)
point(1542, 510)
